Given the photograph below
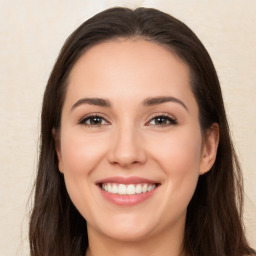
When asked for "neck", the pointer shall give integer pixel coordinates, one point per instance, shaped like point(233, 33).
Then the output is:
point(165, 244)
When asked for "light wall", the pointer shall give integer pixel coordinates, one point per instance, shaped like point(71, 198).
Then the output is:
point(31, 34)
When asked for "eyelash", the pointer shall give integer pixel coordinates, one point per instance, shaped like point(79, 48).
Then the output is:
point(90, 117)
point(166, 118)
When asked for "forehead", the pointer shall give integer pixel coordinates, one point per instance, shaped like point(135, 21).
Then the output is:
point(133, 53)
point(129, 67)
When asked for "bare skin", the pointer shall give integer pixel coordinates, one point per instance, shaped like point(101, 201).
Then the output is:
point(127, 134)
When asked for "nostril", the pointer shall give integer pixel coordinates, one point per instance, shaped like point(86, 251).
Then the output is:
point(127, 148)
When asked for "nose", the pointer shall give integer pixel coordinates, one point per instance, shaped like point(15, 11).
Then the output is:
point(127, 148)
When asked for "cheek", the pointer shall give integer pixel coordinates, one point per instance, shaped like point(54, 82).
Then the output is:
point(179, 152)
point(80, 154)
point(179, 157)
point(80, 157)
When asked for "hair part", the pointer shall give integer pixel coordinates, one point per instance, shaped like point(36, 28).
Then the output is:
point(214, 221)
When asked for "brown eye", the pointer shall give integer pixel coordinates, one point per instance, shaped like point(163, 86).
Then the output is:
point(162, 121)
point(94, 121)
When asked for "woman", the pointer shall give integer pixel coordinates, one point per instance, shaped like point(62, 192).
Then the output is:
point(136, 156)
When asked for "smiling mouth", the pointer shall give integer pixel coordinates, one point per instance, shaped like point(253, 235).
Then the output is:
point(128, 189)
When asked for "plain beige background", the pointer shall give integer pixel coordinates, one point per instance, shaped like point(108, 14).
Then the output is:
point(31, 34)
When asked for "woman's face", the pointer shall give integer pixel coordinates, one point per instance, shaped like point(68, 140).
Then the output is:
point(131, 148)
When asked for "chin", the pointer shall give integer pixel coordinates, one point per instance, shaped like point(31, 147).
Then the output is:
point(129, 234)
point(124, 227)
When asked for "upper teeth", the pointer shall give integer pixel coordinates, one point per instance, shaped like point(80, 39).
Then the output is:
point(129, 189)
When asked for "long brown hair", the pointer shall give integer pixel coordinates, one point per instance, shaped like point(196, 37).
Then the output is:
point(214, 222)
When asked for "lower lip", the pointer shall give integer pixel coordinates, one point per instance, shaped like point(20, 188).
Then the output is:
point(127, 200)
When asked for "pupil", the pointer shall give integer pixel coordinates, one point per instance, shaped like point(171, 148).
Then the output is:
point(95, 120)
point(161, 120)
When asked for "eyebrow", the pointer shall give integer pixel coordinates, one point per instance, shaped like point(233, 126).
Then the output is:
point(163, 99)
point(147, 102)
point(92, 101)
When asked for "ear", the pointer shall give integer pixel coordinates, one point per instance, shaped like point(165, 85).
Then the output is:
point(209, 148)
point(57, 148)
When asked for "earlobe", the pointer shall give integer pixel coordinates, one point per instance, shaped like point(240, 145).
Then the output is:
point(210, 147)
point(57, 149)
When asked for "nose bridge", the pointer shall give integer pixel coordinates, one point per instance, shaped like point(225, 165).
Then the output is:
point(127, 147)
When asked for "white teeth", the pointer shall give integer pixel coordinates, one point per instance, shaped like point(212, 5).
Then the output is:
point(151, 187)
point(144, 188)
point(121, 189)
point(138, 189)
point(130, 189)
point(114, 189)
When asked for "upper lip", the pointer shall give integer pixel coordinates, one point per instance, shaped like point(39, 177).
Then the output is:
point(126, 180)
